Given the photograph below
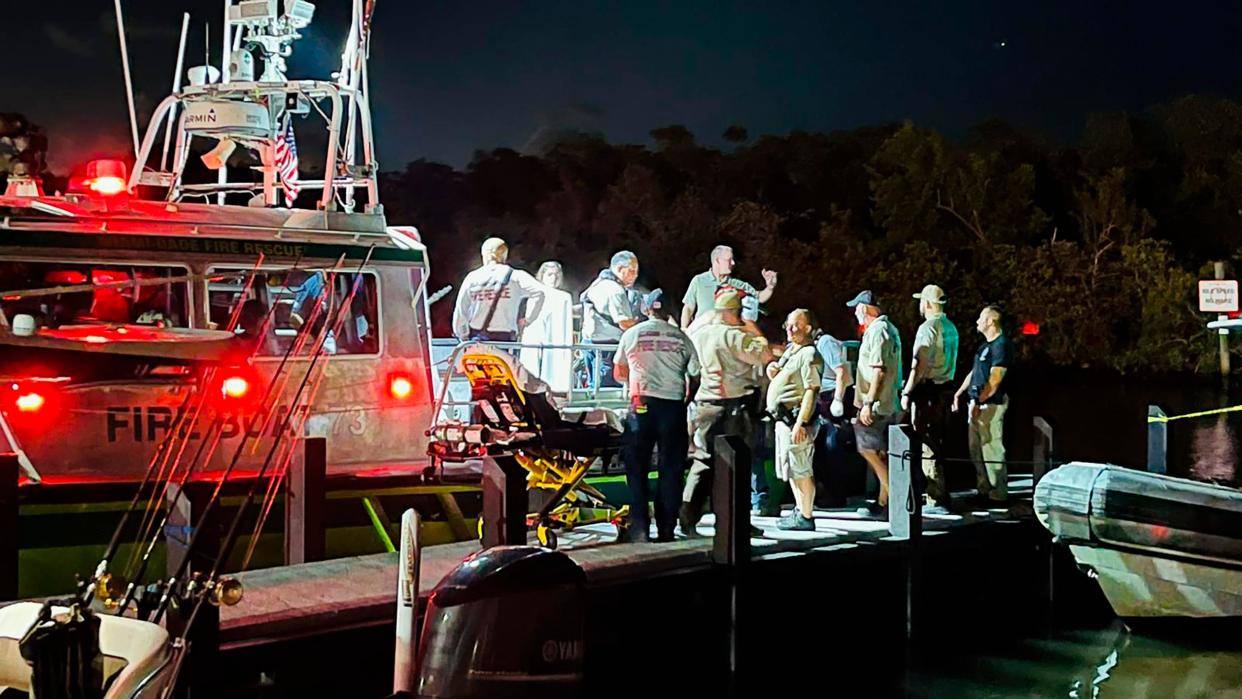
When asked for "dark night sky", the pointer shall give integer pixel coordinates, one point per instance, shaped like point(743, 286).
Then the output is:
point(448, 78)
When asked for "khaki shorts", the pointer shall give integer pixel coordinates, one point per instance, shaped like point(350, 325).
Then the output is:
point(794, 460)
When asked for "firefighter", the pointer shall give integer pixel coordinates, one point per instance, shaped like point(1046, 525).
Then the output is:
point(490, 297)
point(657, 361)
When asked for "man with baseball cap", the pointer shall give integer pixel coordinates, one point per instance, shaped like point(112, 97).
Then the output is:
point(928, 393)
point(724, 403)
point(877, 393)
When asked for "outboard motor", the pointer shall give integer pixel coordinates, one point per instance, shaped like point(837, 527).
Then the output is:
point(507, 622)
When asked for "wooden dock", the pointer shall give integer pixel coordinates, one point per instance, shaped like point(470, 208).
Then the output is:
point(302, 600)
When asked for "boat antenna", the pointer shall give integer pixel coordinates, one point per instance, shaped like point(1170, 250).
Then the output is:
point(176, 87)
point(129, 83)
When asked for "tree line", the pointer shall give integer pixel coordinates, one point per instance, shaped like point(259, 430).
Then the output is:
point(1099, 243)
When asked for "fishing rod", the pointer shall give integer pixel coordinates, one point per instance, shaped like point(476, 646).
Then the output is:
point(154, 533)
point(212, 584)
point(332, 328)
point(207, 379)
point(282, 469)
point(215, 496)
point(161, 451)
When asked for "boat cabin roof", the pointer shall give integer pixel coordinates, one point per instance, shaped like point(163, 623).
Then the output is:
point(158, 226)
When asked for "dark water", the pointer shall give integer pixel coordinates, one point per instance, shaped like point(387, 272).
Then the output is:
point(1110, 662)
point(1103, 418)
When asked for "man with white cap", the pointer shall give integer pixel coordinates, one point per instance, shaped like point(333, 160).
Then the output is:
point(877, 393)
point(723, 404)
point(928, 392)
point(490, 297)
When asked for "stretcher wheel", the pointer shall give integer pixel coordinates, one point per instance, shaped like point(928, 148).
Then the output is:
point(546, 536)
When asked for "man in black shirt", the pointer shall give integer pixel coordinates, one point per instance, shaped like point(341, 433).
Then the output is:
point(988, 401)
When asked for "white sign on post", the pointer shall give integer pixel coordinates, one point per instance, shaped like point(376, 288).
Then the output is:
point(1218, 296)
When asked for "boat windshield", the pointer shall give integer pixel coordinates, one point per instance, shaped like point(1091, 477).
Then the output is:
point(293, 295)
point(94, 293)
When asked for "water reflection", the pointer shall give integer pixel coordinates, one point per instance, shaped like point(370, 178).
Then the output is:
point(1088, 664)
point(1213, 451)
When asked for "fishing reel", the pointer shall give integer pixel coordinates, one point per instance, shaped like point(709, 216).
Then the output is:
point(225, 592)
point(110, 590)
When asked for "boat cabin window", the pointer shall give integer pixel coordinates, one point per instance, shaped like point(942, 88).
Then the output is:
point(289, 303)
point(76, 293)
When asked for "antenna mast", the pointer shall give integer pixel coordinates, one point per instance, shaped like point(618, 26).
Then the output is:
point(129, 83)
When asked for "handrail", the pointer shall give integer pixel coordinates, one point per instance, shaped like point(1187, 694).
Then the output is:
point(442, 399)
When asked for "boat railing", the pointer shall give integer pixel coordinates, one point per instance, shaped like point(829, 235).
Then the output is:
point(582, 374)
point(346, 179)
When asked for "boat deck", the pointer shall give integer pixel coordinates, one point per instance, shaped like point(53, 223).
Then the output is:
point(296, 601)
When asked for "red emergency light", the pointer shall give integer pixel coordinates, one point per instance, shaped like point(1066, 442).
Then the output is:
point(106, 177)
point(400, 386)
point(30, 402)
point(235, 387)
point(1030, 328)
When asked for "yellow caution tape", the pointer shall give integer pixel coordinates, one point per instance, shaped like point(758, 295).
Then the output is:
point(1202, 413)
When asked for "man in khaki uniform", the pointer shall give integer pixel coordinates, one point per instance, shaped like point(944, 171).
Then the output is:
point(877, 393)
point(928, 392)
point(791, 402)
point(728, 358)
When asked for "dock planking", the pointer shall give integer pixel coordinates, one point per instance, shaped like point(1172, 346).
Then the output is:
point(302, 600)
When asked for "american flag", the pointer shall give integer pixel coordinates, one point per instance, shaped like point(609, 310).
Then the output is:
point(287, 162)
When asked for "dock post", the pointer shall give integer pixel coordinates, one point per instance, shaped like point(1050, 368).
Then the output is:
point(504, 502)
point(405, 666)
point(731, 500)
point(305, 499)
point(905, 509)
point(905, 478)
point(1218, 269)
point(1157, 440)
point(731, 543)
point(184, 517)
point(1041, 451)
point(10, 473)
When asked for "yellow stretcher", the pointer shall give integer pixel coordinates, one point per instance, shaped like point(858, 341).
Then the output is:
point(556, 453)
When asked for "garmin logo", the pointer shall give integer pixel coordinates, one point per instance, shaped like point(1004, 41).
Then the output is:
point(200, 119)
point(561, 651)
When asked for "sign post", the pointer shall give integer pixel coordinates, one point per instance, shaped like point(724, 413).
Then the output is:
point(1220, 296)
